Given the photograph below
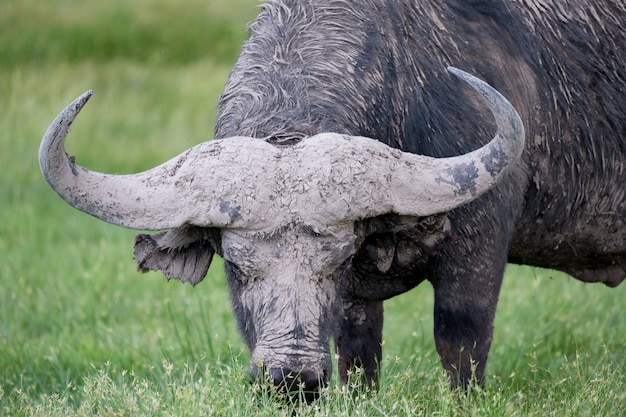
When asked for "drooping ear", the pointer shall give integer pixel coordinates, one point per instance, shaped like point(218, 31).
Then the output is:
point(184, 253)
point(395, 254)
point(422, 240)
point(404, 240)
point(381, 250)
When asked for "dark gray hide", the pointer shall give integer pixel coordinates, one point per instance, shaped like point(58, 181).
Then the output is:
point(377, 69)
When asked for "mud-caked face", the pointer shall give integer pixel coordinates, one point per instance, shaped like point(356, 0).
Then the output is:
point(285, 289)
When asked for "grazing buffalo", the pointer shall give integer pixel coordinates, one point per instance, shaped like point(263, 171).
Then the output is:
point(351, 167)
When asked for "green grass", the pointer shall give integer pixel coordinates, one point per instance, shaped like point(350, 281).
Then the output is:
point(82, 333)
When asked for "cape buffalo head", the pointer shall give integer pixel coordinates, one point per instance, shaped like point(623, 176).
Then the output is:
point(284, 218)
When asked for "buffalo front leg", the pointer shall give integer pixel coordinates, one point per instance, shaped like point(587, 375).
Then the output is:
point(358, 340)
point(465, 307)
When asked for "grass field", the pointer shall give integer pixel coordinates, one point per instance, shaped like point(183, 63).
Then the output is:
point(82, 333)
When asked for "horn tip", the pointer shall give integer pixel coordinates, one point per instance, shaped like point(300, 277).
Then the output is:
point(84, 98)
point(51, 149)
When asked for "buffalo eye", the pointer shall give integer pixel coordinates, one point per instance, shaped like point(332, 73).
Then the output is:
point(244, 272)
point(234, 271)
point(315, 230)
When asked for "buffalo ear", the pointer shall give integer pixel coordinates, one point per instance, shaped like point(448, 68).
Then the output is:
point(402, 241)
point(184, 253)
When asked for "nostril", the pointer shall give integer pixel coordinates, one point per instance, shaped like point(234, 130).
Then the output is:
point(284, 378)
point(312, 381)
point(253, 373)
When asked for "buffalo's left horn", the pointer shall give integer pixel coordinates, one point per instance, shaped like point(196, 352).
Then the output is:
point(422, 186)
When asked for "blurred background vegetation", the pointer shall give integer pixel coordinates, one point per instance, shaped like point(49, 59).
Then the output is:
point(80, 327)
point(161, 32)
point(70, 297)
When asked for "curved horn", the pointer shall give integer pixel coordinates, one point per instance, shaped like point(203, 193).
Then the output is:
point(231, 183)
point(422, 185)
point(163, 197)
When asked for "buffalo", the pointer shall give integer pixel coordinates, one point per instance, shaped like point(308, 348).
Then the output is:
point(349, 167)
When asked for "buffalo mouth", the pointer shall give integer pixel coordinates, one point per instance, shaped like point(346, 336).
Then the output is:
point(294, 386)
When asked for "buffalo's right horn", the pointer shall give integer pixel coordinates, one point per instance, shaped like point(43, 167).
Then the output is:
point(188, 189)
